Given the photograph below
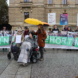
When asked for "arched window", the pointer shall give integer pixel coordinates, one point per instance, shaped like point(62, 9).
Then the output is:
point(49, 1)
point(64, 1)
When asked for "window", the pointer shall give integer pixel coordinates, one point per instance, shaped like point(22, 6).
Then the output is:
point(49, 1)
point(26, 15)
point(76, 1)
point(26, 0)
point(64, 1)
point(11, 1)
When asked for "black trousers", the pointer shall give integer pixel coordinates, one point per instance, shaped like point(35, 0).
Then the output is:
point(41, 52)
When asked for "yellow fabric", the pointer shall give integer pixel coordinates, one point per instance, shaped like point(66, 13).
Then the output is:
point(45, 23)
point(33, 21)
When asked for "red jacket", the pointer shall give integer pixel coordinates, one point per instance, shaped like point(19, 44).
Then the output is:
point(41, 38)
point(26, 33)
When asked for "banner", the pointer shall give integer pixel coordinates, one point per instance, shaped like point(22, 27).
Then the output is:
point(59, 40)
point(47, 39)
point(4, 40)
point(63, 19)
point(52, 18)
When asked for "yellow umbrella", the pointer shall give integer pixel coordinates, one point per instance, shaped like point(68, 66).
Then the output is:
point(45, 24)
point(33, 21)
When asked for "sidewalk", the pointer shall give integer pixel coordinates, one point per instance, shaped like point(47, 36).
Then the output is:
point(56, 64)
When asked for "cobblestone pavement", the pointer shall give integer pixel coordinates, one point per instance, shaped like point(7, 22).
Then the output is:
point(56, 64)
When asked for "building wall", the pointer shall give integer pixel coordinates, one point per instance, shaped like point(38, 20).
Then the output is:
point(39, 9)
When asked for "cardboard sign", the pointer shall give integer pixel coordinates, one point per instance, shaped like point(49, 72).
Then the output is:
point(18, 39)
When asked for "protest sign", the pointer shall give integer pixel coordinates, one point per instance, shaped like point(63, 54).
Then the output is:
point(18, 39)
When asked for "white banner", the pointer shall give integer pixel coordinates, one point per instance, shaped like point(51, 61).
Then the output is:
point(50, 46)
point(52, 18)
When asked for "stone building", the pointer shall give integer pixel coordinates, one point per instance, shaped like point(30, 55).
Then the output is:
point(39, 9)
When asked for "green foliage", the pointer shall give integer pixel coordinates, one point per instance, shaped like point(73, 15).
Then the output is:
point(3, 12)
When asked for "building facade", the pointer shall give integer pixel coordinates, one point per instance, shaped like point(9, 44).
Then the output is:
point(39, 9)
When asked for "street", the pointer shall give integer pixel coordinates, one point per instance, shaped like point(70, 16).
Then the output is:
point(56, 64)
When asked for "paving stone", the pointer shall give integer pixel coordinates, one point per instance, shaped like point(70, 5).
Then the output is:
point(23, 76)
point(56, 65)
point(7, 76)
point(24, 70)
point(3, 62)
point(11, 69)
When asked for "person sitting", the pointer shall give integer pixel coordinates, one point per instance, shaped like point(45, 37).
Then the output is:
point(31, 39)
point(55, 29)
point(26, 49)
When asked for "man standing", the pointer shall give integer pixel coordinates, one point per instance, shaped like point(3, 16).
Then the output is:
point(26, 32)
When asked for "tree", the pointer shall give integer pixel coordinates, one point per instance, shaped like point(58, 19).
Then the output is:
point(3, 12)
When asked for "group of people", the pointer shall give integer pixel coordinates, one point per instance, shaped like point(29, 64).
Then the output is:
point(27, 35)
point(66, 28)
point(41, 35)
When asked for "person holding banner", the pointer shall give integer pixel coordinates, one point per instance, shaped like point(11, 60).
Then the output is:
point(41, 33)
point(4, 34)
point(55, 29)
point(76, 29)
point(65, 28)
point(69, 29)
point(18, 38)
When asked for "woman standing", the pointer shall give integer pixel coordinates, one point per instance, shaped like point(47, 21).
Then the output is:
point(41, 39)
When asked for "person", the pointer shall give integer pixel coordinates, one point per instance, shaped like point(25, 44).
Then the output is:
point(16, 43)
point(49, 30)
point(76, 29)
point(30, 39)
point(4, 34)
point(69, 29)
point(55, 29)
point(26, 32)
point(4, 28)
point(19, 32)
point(41, 33)
point(65, 28)
point(26, 48)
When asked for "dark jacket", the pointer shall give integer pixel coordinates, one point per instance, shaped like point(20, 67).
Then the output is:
point(65, 29)
point(26, 33)
point(55, 30)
